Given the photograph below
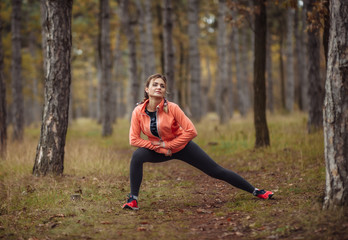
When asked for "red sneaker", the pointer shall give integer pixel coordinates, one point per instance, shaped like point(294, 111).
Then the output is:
point(263, 194)
point(131, 204)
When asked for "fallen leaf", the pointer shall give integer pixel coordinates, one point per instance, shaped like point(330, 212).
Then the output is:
point(141, 229)
point(105, 222)
point(201, 210)
point(59, 215)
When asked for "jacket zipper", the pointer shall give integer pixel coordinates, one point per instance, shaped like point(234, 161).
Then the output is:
point(157, 123)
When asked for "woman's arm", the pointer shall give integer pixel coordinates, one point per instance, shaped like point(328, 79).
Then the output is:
point(185, 123)
point(135, 131)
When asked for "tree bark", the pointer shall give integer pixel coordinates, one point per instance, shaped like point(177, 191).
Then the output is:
point(326, 33)
point(315, 89)
point(150, 67)
point(245, 61)
point(290, 79)
point(336, 109)
point(269, 65)
point(260, 122)
point(128, 25)
point(241, 72)
point(301, 59)
point(281, 64)
point(16, 71)
point(222, 86)
point(194, 60)
point(3, 124)
point(50, 150)
point(105, 60)
point(169, 65)
point(143, 45)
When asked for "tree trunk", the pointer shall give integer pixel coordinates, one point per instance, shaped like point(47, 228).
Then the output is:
point(133, 86)
point(304, 41)
point(35, 106)
point(336, 109)
point(206, 85)
point(169, 65)
point(260, 122)
point(150, 50)
point(245, 61)
point(290, 80)
point(3, 125)
point(269, 91)
point(281, 65)
point(194, 60)
point(142, 42)
point(92, 102)
point(105, 60)
point(16, 71)
point(50, 150)
point(315, 89)
point(160, 35)
point(301, 60)
point(242, 96)
point(222, 88)
point(326, 5)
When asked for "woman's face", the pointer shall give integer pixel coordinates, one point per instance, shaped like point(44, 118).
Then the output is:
point(156, 88)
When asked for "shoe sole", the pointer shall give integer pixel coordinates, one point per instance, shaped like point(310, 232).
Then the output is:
point(130, 208)
point(268, 197)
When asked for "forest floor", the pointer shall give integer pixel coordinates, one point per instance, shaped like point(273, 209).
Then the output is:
point(176, 200)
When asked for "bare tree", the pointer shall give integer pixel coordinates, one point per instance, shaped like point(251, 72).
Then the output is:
point(290, 78)
point(194, 60)
point(16, 71)
point(169, 66)
point(106, 65)
point(260, 122)
point(315, 89)
point(269, 65)
point(222, 86)
point(241, 72)
point(146, 38)
point(301, 60)
point(128, 24)
point(50, 150)
point(3, 125)
point(336, 108)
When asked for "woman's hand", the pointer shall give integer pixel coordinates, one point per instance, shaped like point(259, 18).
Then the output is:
point(159, 144)
point(169, 153)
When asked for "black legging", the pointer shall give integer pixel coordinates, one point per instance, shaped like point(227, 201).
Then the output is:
point(191, 154)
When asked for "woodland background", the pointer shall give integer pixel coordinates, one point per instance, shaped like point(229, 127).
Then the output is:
point(136, 47)
point(206, 49)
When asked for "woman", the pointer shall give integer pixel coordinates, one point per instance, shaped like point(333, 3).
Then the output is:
point(169, 134)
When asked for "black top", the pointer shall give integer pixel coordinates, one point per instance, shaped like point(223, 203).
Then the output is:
point(153, 122)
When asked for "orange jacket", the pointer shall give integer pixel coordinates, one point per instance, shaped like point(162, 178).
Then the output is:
point(174, 128)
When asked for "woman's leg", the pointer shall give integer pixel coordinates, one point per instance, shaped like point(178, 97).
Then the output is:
point(140, 156)
point(195, 156)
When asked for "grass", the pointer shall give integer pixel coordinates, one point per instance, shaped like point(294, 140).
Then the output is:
point(177, 201)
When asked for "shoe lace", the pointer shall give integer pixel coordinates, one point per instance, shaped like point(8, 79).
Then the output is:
point(259, 192)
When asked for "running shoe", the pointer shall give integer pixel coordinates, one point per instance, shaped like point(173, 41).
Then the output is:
point(131, 204)
point(263, 194)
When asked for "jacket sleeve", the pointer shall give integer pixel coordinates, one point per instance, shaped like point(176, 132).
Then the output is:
point(189, 130)
point(135, 131)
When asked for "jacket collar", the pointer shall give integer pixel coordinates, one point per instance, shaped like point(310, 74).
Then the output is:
point(159, 106)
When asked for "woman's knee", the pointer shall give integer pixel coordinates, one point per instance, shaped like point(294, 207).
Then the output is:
point(141, 155)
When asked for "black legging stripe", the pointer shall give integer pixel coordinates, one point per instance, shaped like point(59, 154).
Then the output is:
point(191, 154)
